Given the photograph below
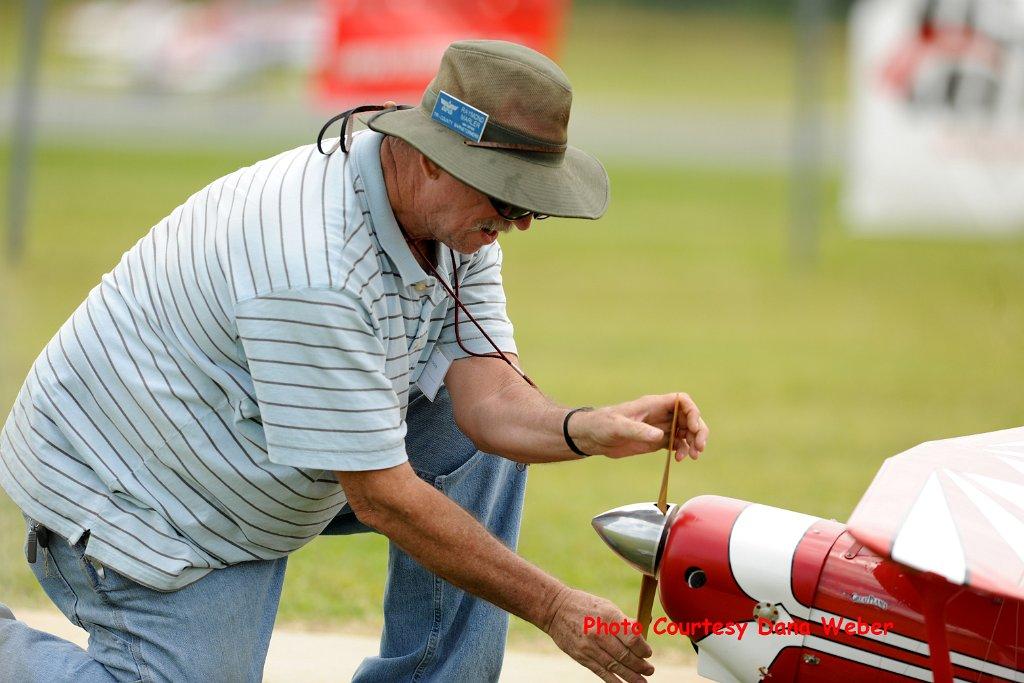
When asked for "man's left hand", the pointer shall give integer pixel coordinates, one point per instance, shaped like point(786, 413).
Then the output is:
point(641, 426)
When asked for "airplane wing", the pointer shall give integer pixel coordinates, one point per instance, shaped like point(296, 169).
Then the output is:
point(953, 507)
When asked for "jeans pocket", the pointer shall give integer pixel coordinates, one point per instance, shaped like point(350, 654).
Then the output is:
point(445, 482)
point(93, 571)
point(99, 577)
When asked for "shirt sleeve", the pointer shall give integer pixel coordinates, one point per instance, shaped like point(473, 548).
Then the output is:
point(481, 291)
point(317, 366)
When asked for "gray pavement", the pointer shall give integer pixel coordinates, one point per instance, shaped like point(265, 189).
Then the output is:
point(322, 657)
point(738, 137)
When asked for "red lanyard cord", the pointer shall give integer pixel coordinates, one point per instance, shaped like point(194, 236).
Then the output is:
point(454, 294)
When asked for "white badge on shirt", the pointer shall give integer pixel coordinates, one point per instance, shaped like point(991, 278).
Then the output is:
point(432, 376)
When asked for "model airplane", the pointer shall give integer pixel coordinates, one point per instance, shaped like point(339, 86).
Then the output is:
point(925, 581)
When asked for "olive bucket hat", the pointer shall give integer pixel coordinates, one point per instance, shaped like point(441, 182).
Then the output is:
point(496, 117)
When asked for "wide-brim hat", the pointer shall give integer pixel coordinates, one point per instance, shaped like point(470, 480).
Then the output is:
point(496, 117)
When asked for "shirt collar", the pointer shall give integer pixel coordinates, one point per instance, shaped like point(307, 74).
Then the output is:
point(366, 155)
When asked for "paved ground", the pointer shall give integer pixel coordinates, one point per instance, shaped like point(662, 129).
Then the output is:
point(298, 656)
point(749, 137)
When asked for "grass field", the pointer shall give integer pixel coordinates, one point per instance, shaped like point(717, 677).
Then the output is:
point(808, 379)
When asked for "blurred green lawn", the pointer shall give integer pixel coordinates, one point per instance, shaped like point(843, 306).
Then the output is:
point(808, 379)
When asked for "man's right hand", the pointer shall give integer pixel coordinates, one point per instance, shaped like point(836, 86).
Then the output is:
point(613, 658)
point(641, 426)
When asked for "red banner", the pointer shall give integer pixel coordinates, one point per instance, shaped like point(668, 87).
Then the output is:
point(389, 49)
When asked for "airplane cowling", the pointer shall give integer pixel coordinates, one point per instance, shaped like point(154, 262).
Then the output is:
point(753, 571)
point(796, 581)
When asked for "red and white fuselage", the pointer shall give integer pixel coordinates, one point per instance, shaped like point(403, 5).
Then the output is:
point(925, 582)
point(807, 602)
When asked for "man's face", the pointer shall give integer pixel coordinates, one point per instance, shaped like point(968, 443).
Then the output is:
point(462, 217)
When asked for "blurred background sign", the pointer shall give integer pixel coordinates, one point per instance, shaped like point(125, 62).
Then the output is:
point(937, 126)
point(190, 47)
point(390, 50)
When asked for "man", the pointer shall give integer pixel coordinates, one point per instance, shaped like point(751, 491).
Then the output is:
point(278, 335)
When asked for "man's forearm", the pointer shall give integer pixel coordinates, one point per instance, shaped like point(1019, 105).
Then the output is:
point(519, 423)
point(502, 414)
point(446, 540)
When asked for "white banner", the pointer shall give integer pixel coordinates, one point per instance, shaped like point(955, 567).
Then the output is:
point(937, 127)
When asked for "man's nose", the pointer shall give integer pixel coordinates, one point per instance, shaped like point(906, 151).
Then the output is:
point(524, 222)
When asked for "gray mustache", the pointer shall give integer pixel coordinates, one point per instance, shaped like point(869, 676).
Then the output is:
point(493, 224)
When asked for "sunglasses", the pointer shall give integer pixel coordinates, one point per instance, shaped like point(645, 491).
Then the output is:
point(510, 212)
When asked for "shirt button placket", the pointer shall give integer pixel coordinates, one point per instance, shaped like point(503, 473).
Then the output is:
point(421, 339)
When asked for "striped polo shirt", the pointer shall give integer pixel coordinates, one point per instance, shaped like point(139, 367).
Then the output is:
point(192, 410)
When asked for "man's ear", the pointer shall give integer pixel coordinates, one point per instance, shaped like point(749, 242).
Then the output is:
point(432, 170)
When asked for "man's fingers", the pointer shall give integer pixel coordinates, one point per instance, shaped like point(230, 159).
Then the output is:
point(696, 428)
point(621, 669)
point(637, 645)
point(601, 673)
point(623, 655)
point(690, 411)
point(699, 438)
point(690, 424)
point(683, 443)
point(702, 435)
point(682, 448)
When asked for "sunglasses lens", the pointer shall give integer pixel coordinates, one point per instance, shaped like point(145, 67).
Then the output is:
point(508, 211)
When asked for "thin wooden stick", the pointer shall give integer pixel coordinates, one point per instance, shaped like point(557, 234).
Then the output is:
point(663, 493)
point(649, 586)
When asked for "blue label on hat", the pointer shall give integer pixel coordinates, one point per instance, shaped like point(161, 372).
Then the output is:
point(464, 119)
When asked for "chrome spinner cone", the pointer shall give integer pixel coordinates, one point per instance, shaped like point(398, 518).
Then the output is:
point(636, 533)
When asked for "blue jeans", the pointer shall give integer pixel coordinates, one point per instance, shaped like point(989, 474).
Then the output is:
point(218, 628)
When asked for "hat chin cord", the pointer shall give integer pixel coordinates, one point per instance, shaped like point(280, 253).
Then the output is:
point(345, 139)
point(453, 292)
